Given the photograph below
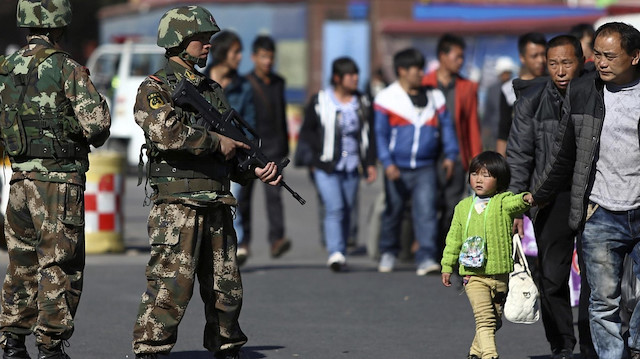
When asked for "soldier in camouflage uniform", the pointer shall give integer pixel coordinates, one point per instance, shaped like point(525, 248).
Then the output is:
point(50, 113)
point(190, 224)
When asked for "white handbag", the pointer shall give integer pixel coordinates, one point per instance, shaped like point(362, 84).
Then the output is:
point(523, 300)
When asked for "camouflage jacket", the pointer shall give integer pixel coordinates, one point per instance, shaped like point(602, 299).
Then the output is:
point(185, 164)
point(61, 101)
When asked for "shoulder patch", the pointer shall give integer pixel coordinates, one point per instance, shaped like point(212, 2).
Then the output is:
point(155, 100)
point(190, 75)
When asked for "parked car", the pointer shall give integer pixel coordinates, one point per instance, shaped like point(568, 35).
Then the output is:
point(117, 70)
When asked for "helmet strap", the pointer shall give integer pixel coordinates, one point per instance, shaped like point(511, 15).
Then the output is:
point(194, 60)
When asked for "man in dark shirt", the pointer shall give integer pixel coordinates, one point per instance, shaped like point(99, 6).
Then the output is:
point(271, 124)
point(532, 49)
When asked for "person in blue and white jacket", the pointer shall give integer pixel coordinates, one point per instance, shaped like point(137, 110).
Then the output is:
point(412, 127)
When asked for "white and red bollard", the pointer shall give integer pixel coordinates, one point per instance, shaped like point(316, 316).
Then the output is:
point(104, 218)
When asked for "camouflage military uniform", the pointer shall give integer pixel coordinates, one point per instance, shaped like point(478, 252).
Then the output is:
point(190, 224)
point(49, 114)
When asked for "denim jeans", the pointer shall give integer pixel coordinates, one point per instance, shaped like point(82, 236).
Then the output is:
point(607, 237)
point(338, 191)
point(420, 186)
point(237, 219)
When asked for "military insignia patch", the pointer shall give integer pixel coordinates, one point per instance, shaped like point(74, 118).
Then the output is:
point(190, 75)
point(155, 100)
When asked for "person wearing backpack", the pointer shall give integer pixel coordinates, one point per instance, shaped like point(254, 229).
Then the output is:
point(49, 115)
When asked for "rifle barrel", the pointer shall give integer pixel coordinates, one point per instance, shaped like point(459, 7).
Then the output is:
point(293, 193)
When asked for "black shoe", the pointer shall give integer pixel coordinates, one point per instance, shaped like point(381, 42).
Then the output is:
point(472, 356)
point(562, 354)
point(147, 356)
point(14, 347)
point(56, 352)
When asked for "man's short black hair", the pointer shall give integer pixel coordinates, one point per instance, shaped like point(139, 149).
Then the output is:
point(408, 58)
point(531, 37)
point(629, 35)
point(446, 41)
point(582, 30)
point(263, 42)
point(563, 40)
point(221, 44)
point(343, 66)
point(496, 165)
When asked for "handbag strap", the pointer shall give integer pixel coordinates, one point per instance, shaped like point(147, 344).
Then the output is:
point(518, 253)
point(486, 209)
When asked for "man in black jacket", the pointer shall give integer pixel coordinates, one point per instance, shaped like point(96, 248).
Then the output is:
point(601, 148)
point(271, 125)
point(535, 122)
point(531, 48)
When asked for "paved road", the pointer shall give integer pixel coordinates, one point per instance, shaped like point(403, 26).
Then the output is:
point(294, 306)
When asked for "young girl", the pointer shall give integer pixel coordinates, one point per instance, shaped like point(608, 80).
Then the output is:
point(481, 230)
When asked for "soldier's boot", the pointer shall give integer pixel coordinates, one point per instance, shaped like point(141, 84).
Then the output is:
point(56, 352)
point(14, 347)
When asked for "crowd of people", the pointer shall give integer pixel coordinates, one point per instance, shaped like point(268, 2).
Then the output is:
point(552, 130)
point(566, 154)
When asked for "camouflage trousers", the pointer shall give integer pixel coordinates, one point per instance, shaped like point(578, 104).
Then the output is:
point(44, 227)
point(188, 241)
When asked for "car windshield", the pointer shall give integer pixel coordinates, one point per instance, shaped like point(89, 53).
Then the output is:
point(105, 70)
point(144, 64)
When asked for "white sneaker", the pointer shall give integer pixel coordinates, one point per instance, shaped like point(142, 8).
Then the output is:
point(387, 262)
point(336, 261)
point(242, 253)
point(427, 266)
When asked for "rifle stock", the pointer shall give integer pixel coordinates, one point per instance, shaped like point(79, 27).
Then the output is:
point(229, 124)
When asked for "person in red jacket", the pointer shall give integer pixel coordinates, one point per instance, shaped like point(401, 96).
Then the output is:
point(461, 96)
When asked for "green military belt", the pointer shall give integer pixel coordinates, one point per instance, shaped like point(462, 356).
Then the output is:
point(192, 185)
point(167, 170)
point(63, 150)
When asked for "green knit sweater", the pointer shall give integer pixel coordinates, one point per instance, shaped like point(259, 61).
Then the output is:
point(499, 220)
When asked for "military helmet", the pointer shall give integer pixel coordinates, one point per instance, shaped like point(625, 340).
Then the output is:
point(179, 23)
point(43, 13)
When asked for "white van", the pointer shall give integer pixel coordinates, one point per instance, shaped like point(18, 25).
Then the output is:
point(117, 70)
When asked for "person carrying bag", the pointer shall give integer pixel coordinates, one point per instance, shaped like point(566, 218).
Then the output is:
point(523, 299)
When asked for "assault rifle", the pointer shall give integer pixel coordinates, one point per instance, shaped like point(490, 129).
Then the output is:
point(231, 125)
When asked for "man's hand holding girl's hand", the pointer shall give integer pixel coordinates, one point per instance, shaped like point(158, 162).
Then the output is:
point(529, 199)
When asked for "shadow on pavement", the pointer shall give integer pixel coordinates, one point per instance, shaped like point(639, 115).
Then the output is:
point(191, 354)
point(246, 353)
point(254, 352)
